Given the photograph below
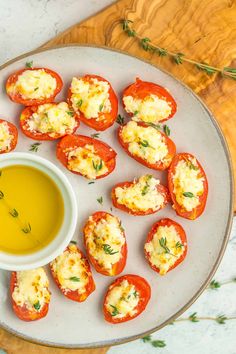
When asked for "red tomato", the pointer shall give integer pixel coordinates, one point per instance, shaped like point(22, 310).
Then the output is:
point(181, 233)
point(23, 312)
point(104, 120)
point(141, 287)
point(13, 132)
point(117, 267)
point(159, 165)
point(141, 89)
point(75, 295)
point(17, 96)
point(161, 189)
point(24, 118)
point(104, 151)
point(180, 209)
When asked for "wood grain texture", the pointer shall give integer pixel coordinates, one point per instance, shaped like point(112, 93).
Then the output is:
point(203, 30)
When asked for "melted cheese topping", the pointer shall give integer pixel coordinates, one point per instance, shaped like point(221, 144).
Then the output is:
point(52, 119)
point(158, 255)
point(145, 142)
point(5, 137)
point(122, 300)
point(150, 109)
point(91, 98)
point(105, 240)
point(186, 180)
point(31, 289)
point(142, 195)
point(34, 84)
point(85, 161)
point(70, 269)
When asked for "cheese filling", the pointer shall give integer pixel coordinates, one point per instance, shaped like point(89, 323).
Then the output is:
point(91, 98)
point(34, 84)
point(52, 119)
point(165, 248)
point(5, 137)
point(142, 195)
point(70, 269)
point(145, 142)
point(105, 240)
point(31, 289)
point(85, 161)
point(188, 185)
point(151, 109)
point(122, 300)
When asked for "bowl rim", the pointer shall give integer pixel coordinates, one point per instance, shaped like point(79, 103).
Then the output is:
point(219, 132)
point(71, 222)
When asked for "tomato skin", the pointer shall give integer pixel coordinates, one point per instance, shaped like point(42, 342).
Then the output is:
point(74, 294)
point(159, 166)
point(118, 267)
point(17, 98)
point(161, 189)
point(141, 89)
point(22, 312)
point(180, 210)
point(105, 152)
point(142, 287)
point(25, 116)
point(14, 132)
point(182, 234)
point(110, 117)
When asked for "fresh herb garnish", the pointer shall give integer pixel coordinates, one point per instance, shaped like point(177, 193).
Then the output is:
point(188, 194)
point(145, 189)
point(14, 213)
point(74, 242)
point(120, 120)
point(37, 306)
point(100, 200)
point(92, 182)
point(146, 338)
point(221, 319)
point(79, 103)
point(101, 107)
point(192, 166)
point(1, 195)
point(34, 147)
point(163, 244)
point(36, 88)
point(95, 135)
point(135, 293)
point(158, 343)
point(70, 113)
point(145, 143)
point(98, 166)
point(29, 64)
point(27, 229)
point(135, 113)
point(193, 317)
point(155, 126)
point(214, 284)
point(179, 245)
point(108, 250)
point(74, 279)
point(115, 310)
point(166, 130)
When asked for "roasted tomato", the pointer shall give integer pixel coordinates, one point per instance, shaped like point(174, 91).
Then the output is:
point(33, 86)
point(147, 145)
point(86, 156)
point(166, 246)
point(141, 197)
point(72, 274)
point(94, 101)
point(48, 121)
point(126, 298)
point(30, 294)
point(8, 136)
point(105, 242)
point(148, 102)
point(188, 186)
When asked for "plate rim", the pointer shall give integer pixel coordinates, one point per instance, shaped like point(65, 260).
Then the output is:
point(224, 143)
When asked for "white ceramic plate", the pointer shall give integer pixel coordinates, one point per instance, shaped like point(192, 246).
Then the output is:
point(70, 324)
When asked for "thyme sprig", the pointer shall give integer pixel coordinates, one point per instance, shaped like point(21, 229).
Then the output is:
point(177, 58)
point(34, 147)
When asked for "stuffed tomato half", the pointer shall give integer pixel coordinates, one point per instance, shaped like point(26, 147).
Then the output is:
point(86, 156)
point(94, 101)
point(105, 242)
point(8, 136)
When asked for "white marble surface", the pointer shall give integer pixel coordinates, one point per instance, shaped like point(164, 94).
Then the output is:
point(25, 25)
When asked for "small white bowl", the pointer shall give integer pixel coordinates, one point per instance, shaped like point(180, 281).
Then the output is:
point(66, 232)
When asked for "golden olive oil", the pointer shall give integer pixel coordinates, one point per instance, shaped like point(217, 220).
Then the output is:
point(31, 209)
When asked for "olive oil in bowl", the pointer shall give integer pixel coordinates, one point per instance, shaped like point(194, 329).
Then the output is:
point(31, 209)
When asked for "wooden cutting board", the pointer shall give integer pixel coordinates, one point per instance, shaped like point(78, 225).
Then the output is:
point(203, 30)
